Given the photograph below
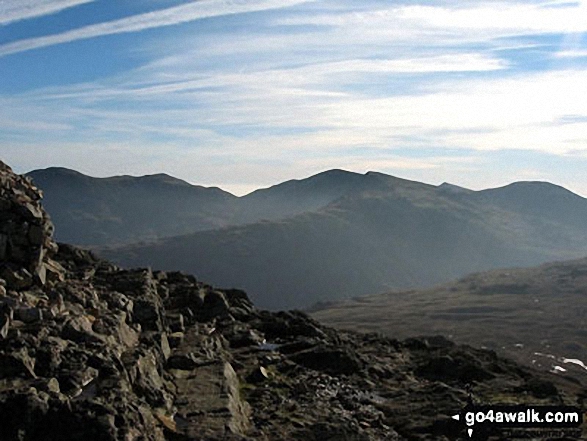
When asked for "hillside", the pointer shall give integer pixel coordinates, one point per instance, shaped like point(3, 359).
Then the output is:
point(378, 233)
point(122, 209)
point(125, 209)
point(91, 351)
point(534, 315)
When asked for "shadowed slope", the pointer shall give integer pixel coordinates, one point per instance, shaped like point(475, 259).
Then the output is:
point(385, 233)
point(89, 210)
point(123, 209)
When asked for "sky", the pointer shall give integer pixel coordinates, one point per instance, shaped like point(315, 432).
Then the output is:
point(243, 94)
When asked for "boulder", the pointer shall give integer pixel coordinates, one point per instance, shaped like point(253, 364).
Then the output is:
point(79, 329)
point(215, 305)
point(17, 363)
point(332, 360)
point(28, 315)
point(458, 369)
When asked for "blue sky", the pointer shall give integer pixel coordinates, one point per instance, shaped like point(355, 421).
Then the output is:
point(243, 94)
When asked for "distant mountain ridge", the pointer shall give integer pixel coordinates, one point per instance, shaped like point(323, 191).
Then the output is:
point(95, 211)
point(341, 234)
point(125, 209)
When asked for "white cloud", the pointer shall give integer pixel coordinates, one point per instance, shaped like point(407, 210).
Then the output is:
point(310, 80)
point(16, 10)
point(571, 53)
point(501, 17)
point(318, 72)
point(526, 111)
point(464, 21)
point(164, 17)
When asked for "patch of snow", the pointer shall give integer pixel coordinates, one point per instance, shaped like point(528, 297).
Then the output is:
point(574, 361)
point(544, 355)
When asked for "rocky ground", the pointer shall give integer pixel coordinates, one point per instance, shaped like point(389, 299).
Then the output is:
point(92, 351)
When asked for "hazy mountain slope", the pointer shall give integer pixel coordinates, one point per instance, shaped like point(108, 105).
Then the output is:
point(89, 210)
point(124, 209)
point(395, 234)
point(300, 195)
point(522, 313)
point(550, 203)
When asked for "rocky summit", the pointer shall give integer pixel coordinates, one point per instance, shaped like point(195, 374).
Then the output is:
point(91, 351)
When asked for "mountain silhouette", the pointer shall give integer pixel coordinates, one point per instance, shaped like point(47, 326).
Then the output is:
point(349, 234)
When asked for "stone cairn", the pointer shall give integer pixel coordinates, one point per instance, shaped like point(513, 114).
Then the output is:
point(26, 235)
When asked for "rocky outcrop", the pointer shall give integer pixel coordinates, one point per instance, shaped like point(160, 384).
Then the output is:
point(25, 234)
point(97, 352)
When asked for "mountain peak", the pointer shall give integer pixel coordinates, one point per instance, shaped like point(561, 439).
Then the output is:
point(160, 178)
point(332, 174)
point(55, 171)
point(452, 188)
point(531, 190)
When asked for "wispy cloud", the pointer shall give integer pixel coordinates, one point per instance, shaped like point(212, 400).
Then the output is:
point(16, 10)
point(326, 84)
point(506, 17)
point(462, 21)
point(521, 112)
point(312, 79)
point(572, 53)
point(165, 17)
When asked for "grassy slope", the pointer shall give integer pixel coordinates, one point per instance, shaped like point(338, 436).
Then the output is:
point(516, 311)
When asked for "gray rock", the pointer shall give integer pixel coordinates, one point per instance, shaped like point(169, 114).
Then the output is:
point(149, 382)
point(165, 348)
point(55, 272)
point(40, 274)
point(50, 385)
point(333, 360)
point(4, 325)
point(214, 306)
point(31, 211)
point(36, 235)
point(147, 313)
point(28, 315)
point(175, 339)
point(17, 363)
point(175, 322)
point(17, 279)
point(3, 246)
point(79, 329)
point(259, 375)
point(184, 362)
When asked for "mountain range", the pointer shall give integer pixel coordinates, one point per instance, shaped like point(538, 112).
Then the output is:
point(124, 209)
point(331, 236)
